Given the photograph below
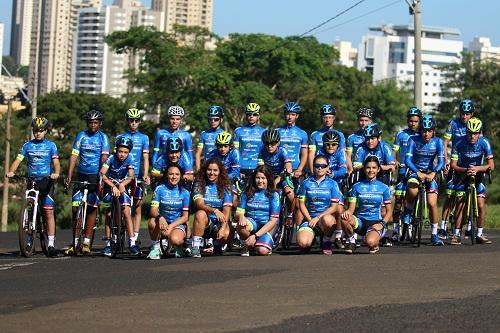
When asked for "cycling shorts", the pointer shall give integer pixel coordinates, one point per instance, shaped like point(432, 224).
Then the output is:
point(430, 187)
point(108, 197)
point(362, 226)
point(46, 190)
point(461, 186)
point(401, 186)
point(304, 226)
point(92, 197)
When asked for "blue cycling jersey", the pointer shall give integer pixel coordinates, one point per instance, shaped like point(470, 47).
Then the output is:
point(354, 141)
point(172, 201)
point(401, 143)
point(293, 139)
point(260, 207)
point(383, 151)
point(141, 146)
point(318, 197)
point(211, 197)
point(90, 146)
point(467, 154)
point(421, 155)
point(116, 169)
point(275, 162)
point(231, 161)
point(456, 129)
point(337, 162)
point(160, 144)
point(184, 163)
point(369, 196)
point(207, 141)
point(316, 141)
point(248, 140)
point(40, 154)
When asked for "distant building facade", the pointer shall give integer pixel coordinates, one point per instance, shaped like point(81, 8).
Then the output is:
point(348, 55)
point(20, 37)
point(185, 12)
point(482, 49)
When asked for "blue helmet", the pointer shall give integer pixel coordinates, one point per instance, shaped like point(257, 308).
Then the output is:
point(466, 106)
point(291, 107)
point(124, 142)
point(327, 109)
point(174, 144)
point(427, 122)
point(372, 130)
point(414, 111)
point(215, 111)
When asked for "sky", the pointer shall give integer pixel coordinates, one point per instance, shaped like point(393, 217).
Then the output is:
point(295, 17)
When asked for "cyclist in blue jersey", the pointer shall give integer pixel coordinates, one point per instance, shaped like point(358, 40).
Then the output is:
point(294, 139)
point(169, 213)
point(247, 139)
point(140, 154)
point(258, 212)
point(400, 146)
point(375, 146)
point(365, 118)
point(328, 114)
point(275, 157)
point(90, 150)
point(367, 199)
point(43, 163)
point(424, 159)
point(206, 142)
point(468, 159)
point(213, 200)
point(319, 200)
point(175, 115)
point(454, 132)
point(229, 156)
point(174, 154)
point(117, 174)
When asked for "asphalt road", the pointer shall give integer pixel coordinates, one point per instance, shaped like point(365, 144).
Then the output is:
point(426, 289)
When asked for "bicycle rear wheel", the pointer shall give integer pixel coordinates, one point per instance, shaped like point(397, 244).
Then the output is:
point(42, 232)
point(25, 231)
point(116, 227)
point(473, 219)
point(79, 228)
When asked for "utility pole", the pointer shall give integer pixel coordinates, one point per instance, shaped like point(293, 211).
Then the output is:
point(416, 11)
point(5, 197)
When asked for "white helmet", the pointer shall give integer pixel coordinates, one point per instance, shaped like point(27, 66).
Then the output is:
point(175, 110)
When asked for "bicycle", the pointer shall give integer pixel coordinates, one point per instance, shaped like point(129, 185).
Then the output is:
point(31, 221)
point(471, 208)
point(117, 228)
point(285, 231)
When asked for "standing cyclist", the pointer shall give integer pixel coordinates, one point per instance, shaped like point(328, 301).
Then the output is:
point(90, 149)
point(206, 142)
point(365, 118)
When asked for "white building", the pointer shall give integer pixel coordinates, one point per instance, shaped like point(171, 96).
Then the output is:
point(20, 37)
point(96, 69)
point(184, 12)
point(482, 49)
point(391, 56)
point(348, 55)
point(1, 47)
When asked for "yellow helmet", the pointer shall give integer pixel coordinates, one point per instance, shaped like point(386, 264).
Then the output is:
point(40, 123)
point(223, 138)
point(474, 125)
point(133, 113)
point(252, 108)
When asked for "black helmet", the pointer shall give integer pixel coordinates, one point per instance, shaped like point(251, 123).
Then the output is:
point(372, 130)
point(40, 123)
point(174, 144)
point(124, 142)
point(93, 115)
point(331, 137)
point(427, 122)
point(365, 112)
point(414, 111)
point(327, 109)
point(271, 136)
point(215, 111)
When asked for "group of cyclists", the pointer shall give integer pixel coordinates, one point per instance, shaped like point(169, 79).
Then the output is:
point(234, 184)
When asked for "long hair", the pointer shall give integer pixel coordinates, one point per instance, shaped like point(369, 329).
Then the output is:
point(251, 188)
point(164, 178)
point(223, 183)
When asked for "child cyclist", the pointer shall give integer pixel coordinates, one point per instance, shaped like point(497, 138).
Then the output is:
point(43, 163)
point(118, 172)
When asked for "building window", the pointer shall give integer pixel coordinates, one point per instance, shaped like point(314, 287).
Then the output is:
point(397, 52)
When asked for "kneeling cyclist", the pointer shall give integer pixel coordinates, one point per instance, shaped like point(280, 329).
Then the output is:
point(422, 152)
point(467, 159)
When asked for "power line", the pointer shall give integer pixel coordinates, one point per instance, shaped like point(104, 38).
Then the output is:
point(360, 16)
point(332, 18)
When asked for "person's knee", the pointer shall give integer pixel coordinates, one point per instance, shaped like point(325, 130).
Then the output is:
point(262, 251)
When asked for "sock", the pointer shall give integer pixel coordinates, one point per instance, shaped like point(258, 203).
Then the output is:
point(155, 244)
point(132, 241)
point(444, 223)
point(164, 242)
point(210, 242)
point(197, 241)
point(352, 239)
point(384, 232)
point(457, 232)
point(76, 241)
point(338, 234)
point(434, 228)
point(469, 226)
point(479, 232)
point(136, 235)
point(51, 240)
point(395, 228)
point(86, 241)
point(108, 242)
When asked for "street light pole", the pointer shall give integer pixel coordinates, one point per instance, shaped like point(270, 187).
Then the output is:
point(417, 89)
point(5, 197)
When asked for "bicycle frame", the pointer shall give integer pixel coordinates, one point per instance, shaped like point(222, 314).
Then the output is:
point(33, 194)
point(471, 209)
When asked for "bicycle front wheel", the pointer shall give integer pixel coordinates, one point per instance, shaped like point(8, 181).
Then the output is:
point(79, 228)
point(42, 232)
point(473, 219)
point(25, 230)
point(116, 227)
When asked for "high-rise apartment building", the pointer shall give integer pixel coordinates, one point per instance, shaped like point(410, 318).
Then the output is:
point(391, 56)
point(96, 69)
point(348, 55)
point(51, 46)
point(185, 12)
point(482, 49)
point(20, 37)
point(1, 47)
